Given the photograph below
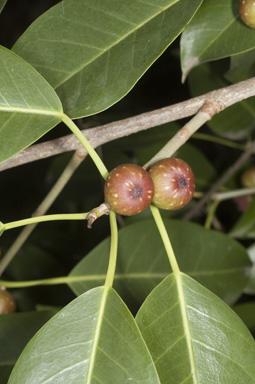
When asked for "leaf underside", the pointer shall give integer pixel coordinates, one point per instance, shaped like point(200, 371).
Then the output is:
point(219, 263)
point(215, 32)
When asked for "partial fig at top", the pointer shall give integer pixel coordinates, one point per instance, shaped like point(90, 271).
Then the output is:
point(247, 12)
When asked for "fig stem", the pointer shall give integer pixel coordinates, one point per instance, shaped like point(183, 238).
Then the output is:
point(208, 110)
point(165, 238)
point(96, 279)
point(113, 251)
point(211, 213)
point(86, 144)
point(40, 219)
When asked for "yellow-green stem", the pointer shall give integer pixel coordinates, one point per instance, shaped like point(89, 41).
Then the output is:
point(113, 251)
point(165, 238)
point(40, 219)
point(92, 153)
point(72, 165)
point(49, 281)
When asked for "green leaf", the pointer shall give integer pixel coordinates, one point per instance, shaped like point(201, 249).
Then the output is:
point(237, 121)
point(2, 4)
point(93, 52)
point(246, 311)
point(16, 329)
point(29, 107)
point(194, 337)
point(214, 33)
point(245, 226)
point(94, 339)
point(242, 67)
point(219, 263)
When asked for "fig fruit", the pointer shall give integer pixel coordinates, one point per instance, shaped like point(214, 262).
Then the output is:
point(247, 12)
point(128, 189)
point(248, 177)
point(174, 183)
point(7, 302)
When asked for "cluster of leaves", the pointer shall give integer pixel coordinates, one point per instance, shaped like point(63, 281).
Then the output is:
point(81, 57)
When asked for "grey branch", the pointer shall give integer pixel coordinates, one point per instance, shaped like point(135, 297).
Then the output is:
point(106, 133)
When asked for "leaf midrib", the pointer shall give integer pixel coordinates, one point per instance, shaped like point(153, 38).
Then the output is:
point(35, 111)
point(97, 335)
point(185, 320)
point(106, 50)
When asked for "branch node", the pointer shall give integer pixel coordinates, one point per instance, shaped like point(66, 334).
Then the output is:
point(212, 106)
point(102, 209)
point(81, 153)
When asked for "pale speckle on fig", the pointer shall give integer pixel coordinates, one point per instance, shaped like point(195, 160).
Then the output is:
point(174, 183)
point(134, 189)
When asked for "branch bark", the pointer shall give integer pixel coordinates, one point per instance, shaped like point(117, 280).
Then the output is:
point(106, 133)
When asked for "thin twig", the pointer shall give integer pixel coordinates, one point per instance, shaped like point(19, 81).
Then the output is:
point(211, 214)
point(196, 209)
point(106, 133)
point(208, 110)
point(67, 173)
point(221, 196)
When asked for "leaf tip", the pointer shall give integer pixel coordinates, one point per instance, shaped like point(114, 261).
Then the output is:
point(190, 63)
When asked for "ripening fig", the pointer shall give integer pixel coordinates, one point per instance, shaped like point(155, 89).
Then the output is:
point(7, 302)
point(247, 12)
point(174, 183)
point(248, 177)
point(128, 189)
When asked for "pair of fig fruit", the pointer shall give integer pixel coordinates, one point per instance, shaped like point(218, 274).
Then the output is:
point(130, 189)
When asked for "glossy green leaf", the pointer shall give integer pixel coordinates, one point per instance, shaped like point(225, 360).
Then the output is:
point(94, 339)
point(245, 226)
point(242, 67)
point(237, 121)
point(29, 107)
point(194, 337)
point(2, 4)
point(93, 52)
point(16, 329)
point(246, 311)
point(218, 263)
point(215, 32)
